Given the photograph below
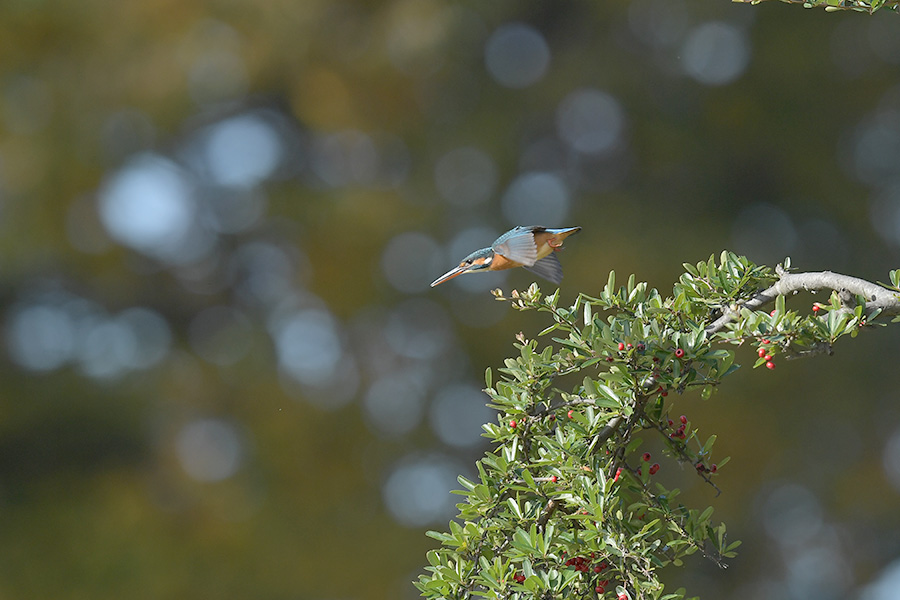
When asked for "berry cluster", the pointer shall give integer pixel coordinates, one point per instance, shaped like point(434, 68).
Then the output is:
point(765, 355)
point(679, 433)
point(585, 565)
point(653, 468)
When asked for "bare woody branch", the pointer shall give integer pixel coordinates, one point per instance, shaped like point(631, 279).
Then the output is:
point(878, 298)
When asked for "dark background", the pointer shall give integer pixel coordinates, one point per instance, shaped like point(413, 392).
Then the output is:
point(224, 374)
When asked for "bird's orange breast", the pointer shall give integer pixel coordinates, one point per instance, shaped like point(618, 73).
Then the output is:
point(500, 263)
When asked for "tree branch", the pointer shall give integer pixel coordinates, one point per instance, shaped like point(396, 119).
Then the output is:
point(878, 298)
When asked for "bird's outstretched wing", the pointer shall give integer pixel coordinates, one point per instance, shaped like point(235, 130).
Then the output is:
point(517, 245)
point(548, 268)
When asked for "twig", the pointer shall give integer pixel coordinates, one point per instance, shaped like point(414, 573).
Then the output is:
point(878, 298)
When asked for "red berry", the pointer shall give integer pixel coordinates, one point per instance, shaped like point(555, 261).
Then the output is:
point(654, 468)
point(597, 569)
point(770, 365)
point(679, 352)
point(519, 578)
point(512, 423)
point(761, 352)
point(629, 346)
point(621, 346)
point(618, 472)
point(772, 314)
point(664, 393)
point(767, 357)
point(815, 308)
point(570, 414)
point(683, 419)
point(599, 589)
point(623, 596)
point(646, 456)
point(671, 422)
point(609, 359)
point(766, 341)
point(553, 479)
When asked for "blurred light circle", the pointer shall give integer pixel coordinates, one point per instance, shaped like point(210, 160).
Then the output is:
point(457, 414)
point(40, 337)
point(231, 210)
point(106, 347)
point(885, 584)
point(465, 177)
point(536, 199)
point(261, 272)
point(152, 334)
point(417, 492)
point(764, 232)
point(147, 205)
point(242, 151)
point(394, 404)
point(463, 244)
point(308, 346)
point(884, 40)
point(220, 335)
point(891, 460)
point(217, 74)
point(876, 149)
point(411, 261)
point(517, 55)
point(885, 214)
point(419, 328)
point(209, 450)
point(590, 121)
point(715, 53)
point(792, 515)
point(416, 31)
point(344, 158)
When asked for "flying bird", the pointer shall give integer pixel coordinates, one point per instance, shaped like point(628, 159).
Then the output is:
point(529, 247)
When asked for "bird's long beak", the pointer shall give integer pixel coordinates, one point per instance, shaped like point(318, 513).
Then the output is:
point(449, 275)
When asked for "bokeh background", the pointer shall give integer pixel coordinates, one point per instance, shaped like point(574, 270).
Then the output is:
point(223, 372)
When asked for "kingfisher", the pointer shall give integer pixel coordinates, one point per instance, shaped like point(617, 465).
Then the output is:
point(529, 247)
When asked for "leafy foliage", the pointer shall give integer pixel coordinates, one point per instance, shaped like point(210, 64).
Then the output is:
point(869, 6)
point(566, 505)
